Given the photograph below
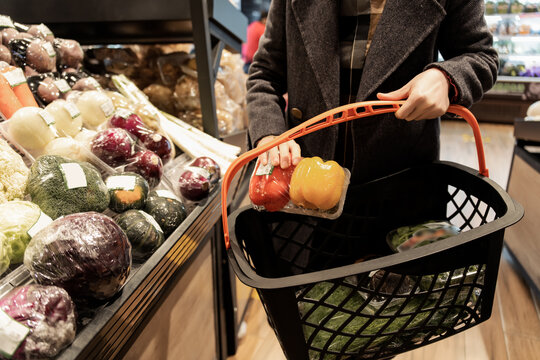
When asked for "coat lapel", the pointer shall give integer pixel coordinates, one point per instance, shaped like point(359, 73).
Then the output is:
point(317, 21)
point(395, 37)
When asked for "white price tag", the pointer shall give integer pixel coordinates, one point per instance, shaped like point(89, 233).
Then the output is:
point(44, 30)
point(73, 175)
point(123, 113)
point(107, 107)
point(265, 169)
point(121, 182)
point(15, 77)
point(94, 82)
point(48, 118)
point(72, 109)
point(62, 85)
point(152, 221)
point(49, 49)
point(41, 222)
point(199, 171)
point(5, 21)
point(12, 334)
point(167, 194)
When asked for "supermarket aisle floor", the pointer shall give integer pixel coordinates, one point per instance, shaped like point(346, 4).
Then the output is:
point(513, 331)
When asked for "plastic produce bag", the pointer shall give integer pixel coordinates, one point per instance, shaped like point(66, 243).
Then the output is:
point(18, 218)
point(13, 173)
point(41, 320)
point(4, 254)
point(314, 187)
point(87, 254)
point(34, 55)
point(198, 179)
point(410, 237)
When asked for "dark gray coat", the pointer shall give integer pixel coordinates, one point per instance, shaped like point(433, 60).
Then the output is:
point(298, 54)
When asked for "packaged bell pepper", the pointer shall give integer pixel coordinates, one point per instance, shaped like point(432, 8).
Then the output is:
point(313, 187)
point(269, 187)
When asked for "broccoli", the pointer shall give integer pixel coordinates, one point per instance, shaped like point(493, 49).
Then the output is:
point(48, 188)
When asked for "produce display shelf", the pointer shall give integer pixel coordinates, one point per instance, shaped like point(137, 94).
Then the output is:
point(129, 21)
point(527, 130)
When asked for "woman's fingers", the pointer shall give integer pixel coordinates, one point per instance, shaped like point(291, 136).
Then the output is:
point(295, 152)
point(283, 155)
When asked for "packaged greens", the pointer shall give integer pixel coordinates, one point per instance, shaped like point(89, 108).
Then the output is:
point(410, 237)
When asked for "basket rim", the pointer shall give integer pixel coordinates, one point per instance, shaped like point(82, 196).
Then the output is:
point(242, 269)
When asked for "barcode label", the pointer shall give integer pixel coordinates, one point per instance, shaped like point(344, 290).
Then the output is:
point(121, 182)
point(123, 113)
point(12, 334)
point(48, 118)
point(72, 109)
point(199, 171)
point(62, 85)
point(107, 107)
point(73, 175)
point(5, 21)
point(15, 77)
point(48, 47)
point(44, 30)
point(41, 222)
point(152, 221)
point(166, 194)
point(265, 169)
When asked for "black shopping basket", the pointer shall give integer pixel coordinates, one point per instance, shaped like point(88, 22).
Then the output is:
point(333, 289)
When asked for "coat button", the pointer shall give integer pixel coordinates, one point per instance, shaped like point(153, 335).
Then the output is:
point(296, 113)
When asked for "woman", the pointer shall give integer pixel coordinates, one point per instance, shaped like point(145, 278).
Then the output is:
point(329, 53)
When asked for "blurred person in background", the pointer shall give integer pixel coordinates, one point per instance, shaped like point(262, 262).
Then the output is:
point(254, 32)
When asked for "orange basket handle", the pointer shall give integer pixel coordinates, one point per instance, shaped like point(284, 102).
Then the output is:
point(332, 117)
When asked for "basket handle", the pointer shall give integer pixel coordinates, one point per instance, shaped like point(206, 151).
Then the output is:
point(332, 117)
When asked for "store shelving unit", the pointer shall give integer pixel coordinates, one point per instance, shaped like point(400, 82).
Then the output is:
point(211, 25)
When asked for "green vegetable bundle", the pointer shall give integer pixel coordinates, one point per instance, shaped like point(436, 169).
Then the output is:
point(50, 188)
point(17, 218)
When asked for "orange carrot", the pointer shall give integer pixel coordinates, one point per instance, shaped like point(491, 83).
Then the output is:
point(16, 79)
point(8, 101)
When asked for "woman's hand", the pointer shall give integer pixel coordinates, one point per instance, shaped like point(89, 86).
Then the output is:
point(284, 155)
point(426, 94)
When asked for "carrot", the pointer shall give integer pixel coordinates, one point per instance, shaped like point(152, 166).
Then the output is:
point(16, 78)
point(8, 101)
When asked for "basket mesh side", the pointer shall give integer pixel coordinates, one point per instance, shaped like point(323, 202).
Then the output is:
point(375, 315)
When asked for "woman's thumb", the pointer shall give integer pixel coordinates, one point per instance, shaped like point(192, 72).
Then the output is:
point(398, 94)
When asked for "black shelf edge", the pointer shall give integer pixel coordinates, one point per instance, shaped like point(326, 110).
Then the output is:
point(527, 130)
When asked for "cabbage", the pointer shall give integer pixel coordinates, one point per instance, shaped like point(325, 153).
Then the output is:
point(4, 254)
point(17, 218)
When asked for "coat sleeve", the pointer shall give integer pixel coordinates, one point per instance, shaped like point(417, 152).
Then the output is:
point(267, 81)
point(466, 44)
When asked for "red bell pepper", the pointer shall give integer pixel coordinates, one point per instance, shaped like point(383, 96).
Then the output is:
point(269, 186)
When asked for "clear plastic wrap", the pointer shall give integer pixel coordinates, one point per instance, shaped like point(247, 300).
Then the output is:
point(144, 233)
point(42, 321)
point(313, 187)
point(18, 219)
point(70, 53)
point(409, 237)
point(48, 87)
point(34, 55)
point(4, 254)
point(198, 178)
point(87, 254)
point(60, 186)
point(13, 173)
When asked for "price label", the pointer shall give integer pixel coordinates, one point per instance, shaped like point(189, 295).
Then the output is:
point(166, 194)
point(72, 109)
point(12, 334)
point(41, 222)
point(264, 169)
point(123, 113)
point(15, 77)
point(73, 175)
point(5, 22)
point(93, 82)
point(44, 30)
point(107, 107)
point(49, 49)
point(62, 85)
point(199, 171)
point(48, 118)
point(152, 221)
point(121, 182)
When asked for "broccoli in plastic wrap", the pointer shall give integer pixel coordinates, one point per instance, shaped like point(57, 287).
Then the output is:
point(13, 174)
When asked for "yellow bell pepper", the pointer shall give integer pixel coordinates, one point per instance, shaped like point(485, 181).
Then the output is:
point(316, 184)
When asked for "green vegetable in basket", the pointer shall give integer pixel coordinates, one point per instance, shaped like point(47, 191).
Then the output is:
point(366, 322)
point(410, 237)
